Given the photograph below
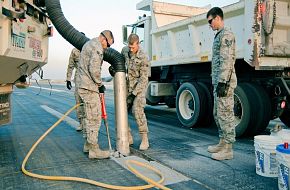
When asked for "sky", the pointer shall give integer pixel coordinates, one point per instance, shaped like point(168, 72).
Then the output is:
point(92, 17)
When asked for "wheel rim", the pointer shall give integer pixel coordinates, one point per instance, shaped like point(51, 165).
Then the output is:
point(238, 110)
point(186, 104)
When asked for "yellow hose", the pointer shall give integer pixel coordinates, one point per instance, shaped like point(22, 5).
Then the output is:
point(133, 170)
point(151, 182)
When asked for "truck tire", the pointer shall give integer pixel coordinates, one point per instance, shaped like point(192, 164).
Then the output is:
point(285, 117)
point(208, 119)
point(259, 108)
point(266, 108)
point(190, 104)
point(241, 110)
point(152, 100)
point(170, 101)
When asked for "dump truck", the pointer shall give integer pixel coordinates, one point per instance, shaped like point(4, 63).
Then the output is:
point(24, 32)
point(178, 41)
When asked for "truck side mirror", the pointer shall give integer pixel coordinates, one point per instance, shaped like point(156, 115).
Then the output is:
point(125, 34)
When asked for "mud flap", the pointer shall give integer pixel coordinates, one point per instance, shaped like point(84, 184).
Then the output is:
point(5, 108)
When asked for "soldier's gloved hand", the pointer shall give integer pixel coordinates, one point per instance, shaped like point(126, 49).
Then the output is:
point(130, 100)
point(221, 89)
point(102, 89)
point(112, 71)
point(68, 84)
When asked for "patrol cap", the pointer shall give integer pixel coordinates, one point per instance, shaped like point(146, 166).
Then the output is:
point(109, 36)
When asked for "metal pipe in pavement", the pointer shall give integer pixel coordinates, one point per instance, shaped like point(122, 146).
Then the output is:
point(121, 121)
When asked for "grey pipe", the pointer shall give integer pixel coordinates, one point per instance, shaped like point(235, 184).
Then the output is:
point(112, 56)
point(121, 117)
point(120, 94)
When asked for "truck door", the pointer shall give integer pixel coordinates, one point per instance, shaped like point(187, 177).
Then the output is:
point(139, 30)
point(142, 28)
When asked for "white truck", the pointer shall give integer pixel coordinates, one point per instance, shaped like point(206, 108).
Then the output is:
point(179, 41)
point(24, 32)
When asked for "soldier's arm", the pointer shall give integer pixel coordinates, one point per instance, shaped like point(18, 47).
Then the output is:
point(124, 50)
point(227, 57)
point(95, 67)
point(143, 80)
point(70, 66)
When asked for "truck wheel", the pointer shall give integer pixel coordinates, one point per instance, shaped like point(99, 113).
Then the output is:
point(151, 100)
point(259, 108)
point(170, 101)
point(241, 110)
point(208, 119)
point(266, 108)
point(190, 104)
point(285, 117)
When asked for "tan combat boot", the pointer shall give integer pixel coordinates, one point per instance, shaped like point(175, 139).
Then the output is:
point(144, 143)
point(96, 152)
point(86, 147)
point(217, 147)
point(225, 154)
point(131, 141)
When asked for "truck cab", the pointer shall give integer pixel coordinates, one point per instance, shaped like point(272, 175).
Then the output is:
point(142, 28)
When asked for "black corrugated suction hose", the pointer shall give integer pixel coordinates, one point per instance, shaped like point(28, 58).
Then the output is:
point(66, 30)
point(116, 59)
point(74, 37)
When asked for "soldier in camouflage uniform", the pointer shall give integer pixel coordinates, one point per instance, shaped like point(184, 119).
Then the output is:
point(137, 81)
point(224, 81)
point(73, 65)
point(89, 84)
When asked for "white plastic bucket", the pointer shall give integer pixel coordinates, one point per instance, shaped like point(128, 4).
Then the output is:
point(283, 159)
point(265, 151)
point(284, 134)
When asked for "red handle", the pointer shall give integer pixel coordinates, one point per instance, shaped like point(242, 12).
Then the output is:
point(104, 112)
point(286, 145)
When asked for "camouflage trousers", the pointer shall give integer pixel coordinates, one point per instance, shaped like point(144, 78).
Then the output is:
point(139, 114)
point(92, 114)
point(223, 112)
point(80, 109)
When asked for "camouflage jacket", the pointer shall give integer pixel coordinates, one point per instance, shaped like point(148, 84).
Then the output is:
point(223, 58)
point(74, 58)
point(137, 71)
point(89, 67)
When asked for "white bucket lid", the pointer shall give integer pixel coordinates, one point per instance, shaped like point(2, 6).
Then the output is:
point(267, 138)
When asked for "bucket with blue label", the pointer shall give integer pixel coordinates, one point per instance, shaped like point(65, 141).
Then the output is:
point(283, 159)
